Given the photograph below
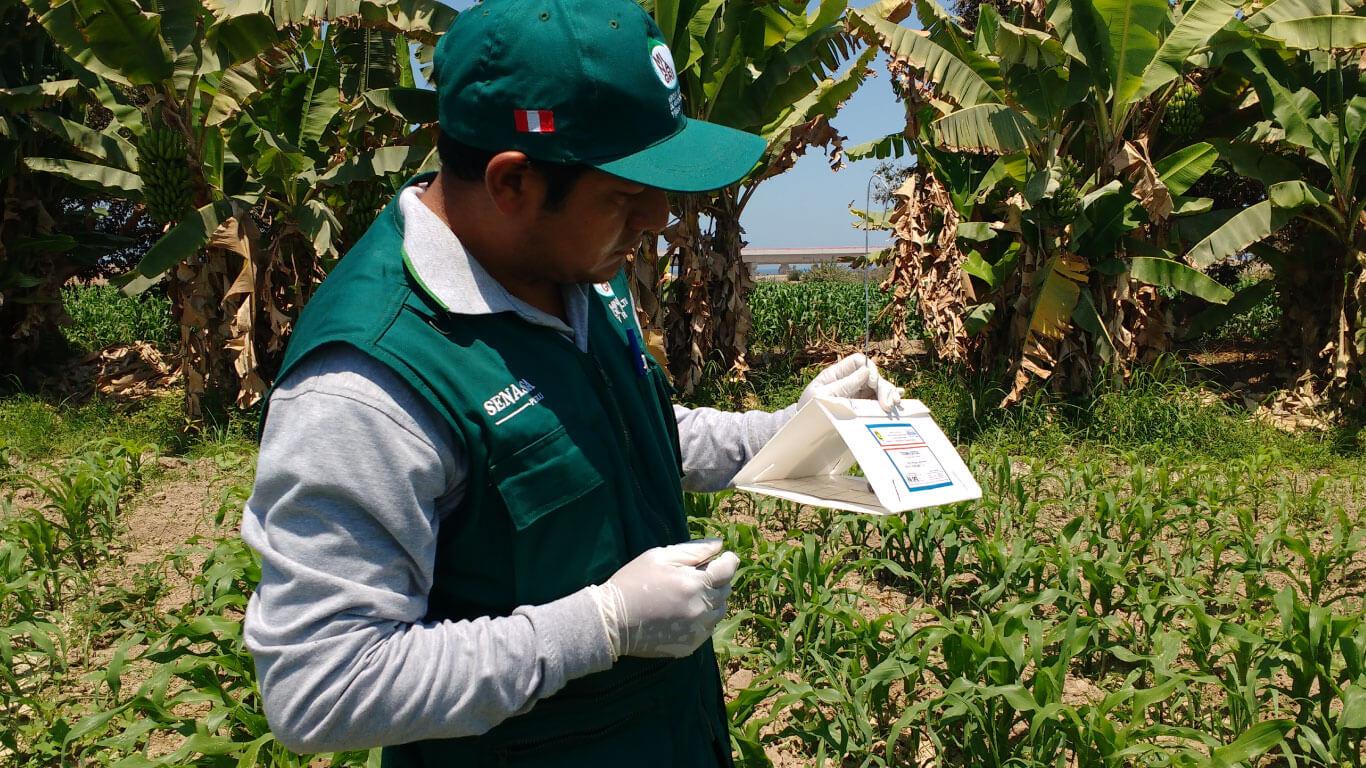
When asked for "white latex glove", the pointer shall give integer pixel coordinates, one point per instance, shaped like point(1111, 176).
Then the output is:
point(853, 377)
point(665, 603)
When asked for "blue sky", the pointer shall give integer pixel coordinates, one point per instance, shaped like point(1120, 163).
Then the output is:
point(808, 207)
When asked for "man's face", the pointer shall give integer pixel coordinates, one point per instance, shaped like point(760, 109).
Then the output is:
point(599, 223)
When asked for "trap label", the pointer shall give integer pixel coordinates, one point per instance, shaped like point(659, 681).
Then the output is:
point(917, 465)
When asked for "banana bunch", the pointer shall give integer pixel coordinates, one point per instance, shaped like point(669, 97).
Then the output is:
point(361, 206)
point(163, 164)
point(1183, 116)
point(1065, 205)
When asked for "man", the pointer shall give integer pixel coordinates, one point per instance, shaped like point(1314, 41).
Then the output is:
point(469, 494)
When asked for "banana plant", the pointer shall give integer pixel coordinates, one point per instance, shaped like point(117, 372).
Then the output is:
point(1038, 228)
point(773, 69)
point(1305, 74)
point(48, 231)
point(253, 144)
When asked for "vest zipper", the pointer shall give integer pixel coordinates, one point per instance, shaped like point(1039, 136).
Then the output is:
point(615, 412)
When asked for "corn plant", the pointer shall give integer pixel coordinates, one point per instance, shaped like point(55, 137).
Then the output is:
point(790, 316)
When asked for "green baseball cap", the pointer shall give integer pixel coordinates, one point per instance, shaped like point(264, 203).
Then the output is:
point(586, 82)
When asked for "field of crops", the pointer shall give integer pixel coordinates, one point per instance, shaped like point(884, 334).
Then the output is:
point(1150, 579)
point(1109, 611)
point(1112, 612)
point(793, 315)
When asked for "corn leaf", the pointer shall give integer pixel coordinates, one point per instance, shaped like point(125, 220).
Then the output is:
point(1255, 742)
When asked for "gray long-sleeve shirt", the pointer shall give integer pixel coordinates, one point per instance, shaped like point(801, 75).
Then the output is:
point(355, 475)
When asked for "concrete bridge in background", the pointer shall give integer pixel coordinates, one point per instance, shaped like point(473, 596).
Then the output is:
point(785, 258)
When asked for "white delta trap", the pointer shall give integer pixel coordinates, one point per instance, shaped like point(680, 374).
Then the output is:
point(906, 460)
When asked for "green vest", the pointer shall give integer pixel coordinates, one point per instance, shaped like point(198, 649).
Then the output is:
point(574, 469)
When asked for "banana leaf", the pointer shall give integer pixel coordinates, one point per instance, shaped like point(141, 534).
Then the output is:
point(114, 181)
point(108, 148)
point(891, 145)
point(179, 243)
point(413, 105)
point(1254, 162)
point(1087, 318)
point(1321, 33)
point(949, 76)
point(1197, 25)
point(1215, 316)
point(117, 34)
point(322, 99)
point(1245, 228)
point(994, 127)
point(377, 162)
point(1280, 10)
point(1182, 168)
point(27, 97)
point(1167, 272)
point(1132, 41)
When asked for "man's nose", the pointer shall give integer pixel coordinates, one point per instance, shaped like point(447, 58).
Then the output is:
point(652, 212)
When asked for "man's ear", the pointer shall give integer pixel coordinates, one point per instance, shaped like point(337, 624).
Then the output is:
point(512, 185)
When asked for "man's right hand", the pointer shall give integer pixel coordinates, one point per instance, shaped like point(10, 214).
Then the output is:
point(667, 601)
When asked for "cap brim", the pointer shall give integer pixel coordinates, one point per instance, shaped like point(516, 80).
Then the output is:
point(701, 157)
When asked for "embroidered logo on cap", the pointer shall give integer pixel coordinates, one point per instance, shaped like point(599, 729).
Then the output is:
point(663, 62)
point(534, 120)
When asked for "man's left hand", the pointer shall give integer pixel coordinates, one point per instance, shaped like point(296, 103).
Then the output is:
point(853, 377)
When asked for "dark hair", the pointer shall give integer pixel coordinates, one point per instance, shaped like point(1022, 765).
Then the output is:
point(467, 163)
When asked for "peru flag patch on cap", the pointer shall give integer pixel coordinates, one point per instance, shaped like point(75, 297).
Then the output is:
point(534, 120)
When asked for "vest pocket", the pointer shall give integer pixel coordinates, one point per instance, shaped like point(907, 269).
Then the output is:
point(546, 475)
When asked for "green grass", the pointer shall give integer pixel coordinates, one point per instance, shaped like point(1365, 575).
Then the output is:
point(1259, 325)
point(34, 428)
point(101, 315)
point(1160, 412)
